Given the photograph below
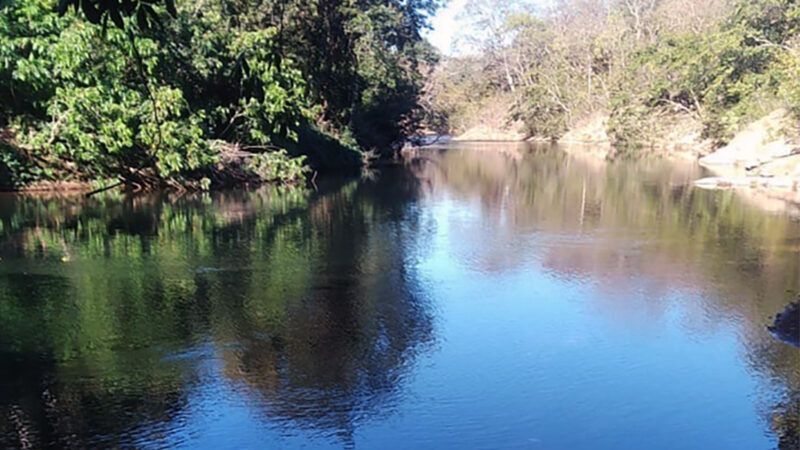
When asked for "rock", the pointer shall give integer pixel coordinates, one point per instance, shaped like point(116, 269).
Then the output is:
point(540, 139)
point(783, 167)
point(787, 325)
point(770, 138)
point(422, 140)
point(783, 183)
point(765, 158)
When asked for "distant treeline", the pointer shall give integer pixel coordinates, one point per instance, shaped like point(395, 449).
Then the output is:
point(197, 93)
point(719, 63)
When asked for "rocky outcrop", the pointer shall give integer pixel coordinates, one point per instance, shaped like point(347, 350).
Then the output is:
point(788, 166)
point(762, 161)
point(786, 326)
point(764, 141)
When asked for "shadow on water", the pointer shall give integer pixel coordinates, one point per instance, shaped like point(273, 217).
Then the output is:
point(303, 316)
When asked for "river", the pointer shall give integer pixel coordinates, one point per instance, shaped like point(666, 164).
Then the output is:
point(479, 296)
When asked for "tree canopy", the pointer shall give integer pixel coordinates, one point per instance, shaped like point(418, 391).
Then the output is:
point(157, 92)
point(100, 11)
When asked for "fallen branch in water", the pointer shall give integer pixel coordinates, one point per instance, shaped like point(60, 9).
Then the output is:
point(103, 189)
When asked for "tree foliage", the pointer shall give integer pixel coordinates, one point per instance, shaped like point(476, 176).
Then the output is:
point(721, 63)
point(171, 90)
point(100, 11)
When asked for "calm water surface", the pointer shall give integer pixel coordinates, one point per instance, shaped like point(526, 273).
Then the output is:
point(476, 298)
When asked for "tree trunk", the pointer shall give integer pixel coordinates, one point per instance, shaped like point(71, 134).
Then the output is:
point(509, 78)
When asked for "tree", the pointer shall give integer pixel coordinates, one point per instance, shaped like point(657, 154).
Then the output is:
point(100, 11)
point(182, 101)
point(485, 29)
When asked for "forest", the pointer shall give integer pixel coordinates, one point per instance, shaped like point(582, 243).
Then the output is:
point(195, 94)
point(646, 65)
point(160, 93)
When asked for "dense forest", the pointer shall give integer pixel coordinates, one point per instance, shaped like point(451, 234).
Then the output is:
point(195, 94)
point(645, 65)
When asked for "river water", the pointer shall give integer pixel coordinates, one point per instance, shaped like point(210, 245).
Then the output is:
point(478, 297)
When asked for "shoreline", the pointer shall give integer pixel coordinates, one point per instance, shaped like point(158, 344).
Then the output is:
point(764, 155)
point(773, 193)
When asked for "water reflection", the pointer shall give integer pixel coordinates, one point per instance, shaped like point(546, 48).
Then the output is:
point(633, 227)
point(111, 307)
point(478, 296)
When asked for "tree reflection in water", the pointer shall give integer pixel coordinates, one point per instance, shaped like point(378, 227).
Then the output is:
point(305, 298)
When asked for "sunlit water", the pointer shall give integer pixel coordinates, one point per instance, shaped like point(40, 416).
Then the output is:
point(494, 297)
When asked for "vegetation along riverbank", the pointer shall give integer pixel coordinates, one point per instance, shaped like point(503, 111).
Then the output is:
point(156, 93)
point(196, 95)
point(718, 79)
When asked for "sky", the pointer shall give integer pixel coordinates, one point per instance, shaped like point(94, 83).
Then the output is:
point(444, 26)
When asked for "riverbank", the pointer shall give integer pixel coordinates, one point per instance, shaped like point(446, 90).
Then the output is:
point(764, 156)
point(82, 101)
point(287, 162)
point(677, 135)
point(761, 162)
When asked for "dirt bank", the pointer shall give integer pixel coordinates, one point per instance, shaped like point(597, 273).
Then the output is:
point(490, 133)
point(678, 135)
point(591, 131)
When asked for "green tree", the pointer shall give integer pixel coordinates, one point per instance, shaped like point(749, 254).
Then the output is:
point(190, 95)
